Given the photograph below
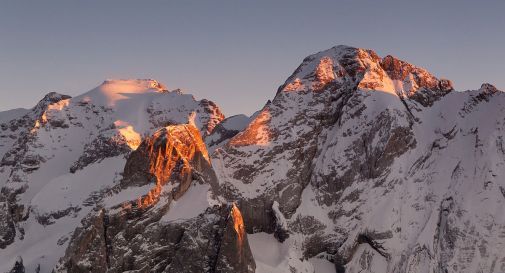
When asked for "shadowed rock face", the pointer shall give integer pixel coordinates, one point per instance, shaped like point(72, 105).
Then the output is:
point(142, 243)
point(7, 227)
point(134, 234)
point(234, 253)
point(18, 266)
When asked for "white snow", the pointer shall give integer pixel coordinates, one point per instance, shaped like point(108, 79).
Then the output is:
point(113, 91)
point(268, 253)
point(126, 195)
point(6, 116)
point(194, 202)
point(271, 256)
point(237, 122)
point(118, 108)
point(70, 190)
point(64, 191)
point(322, 265)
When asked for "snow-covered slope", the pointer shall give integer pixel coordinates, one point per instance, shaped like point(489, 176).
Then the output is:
point(359, 164)
point(227, 129)
point(58, 158)
point(376, 165)
point(9, 115)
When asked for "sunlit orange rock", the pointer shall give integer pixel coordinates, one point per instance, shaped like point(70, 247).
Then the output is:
point(169, 155)
point(324, 73)
point(235, 254)
point(238, 225)
point(257, 133)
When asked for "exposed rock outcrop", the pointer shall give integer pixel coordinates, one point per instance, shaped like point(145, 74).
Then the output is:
point(174, 153)
point(359, 152)
point(137, 235)
point(18, 266)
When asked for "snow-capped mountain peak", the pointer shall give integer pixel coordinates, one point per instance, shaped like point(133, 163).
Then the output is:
point(359, 164)
point(111, 91)
point(375, 163)
point(57, 158)
point(364, 69)
point(488, 88)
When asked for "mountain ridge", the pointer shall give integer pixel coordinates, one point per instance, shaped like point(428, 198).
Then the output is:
point(358, 164)
point(339, 149)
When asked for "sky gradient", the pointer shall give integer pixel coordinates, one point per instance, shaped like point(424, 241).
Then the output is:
point(235, 53)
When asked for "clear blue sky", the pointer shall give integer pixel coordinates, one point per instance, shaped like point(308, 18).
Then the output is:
point(234, 52)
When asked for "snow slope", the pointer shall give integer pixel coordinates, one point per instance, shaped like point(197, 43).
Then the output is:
point(225, 130)
point(9, 115)
point(375, 164)
point(58, 159)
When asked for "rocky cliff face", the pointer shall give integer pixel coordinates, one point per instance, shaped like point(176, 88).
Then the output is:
point(359, 164)
point(373, 164)
point(173, 153)
point(162, 229)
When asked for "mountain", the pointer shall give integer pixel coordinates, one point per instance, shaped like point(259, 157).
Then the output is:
point(375, 164)
point(60, 158)
point(175, 224)
point(358, 164)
